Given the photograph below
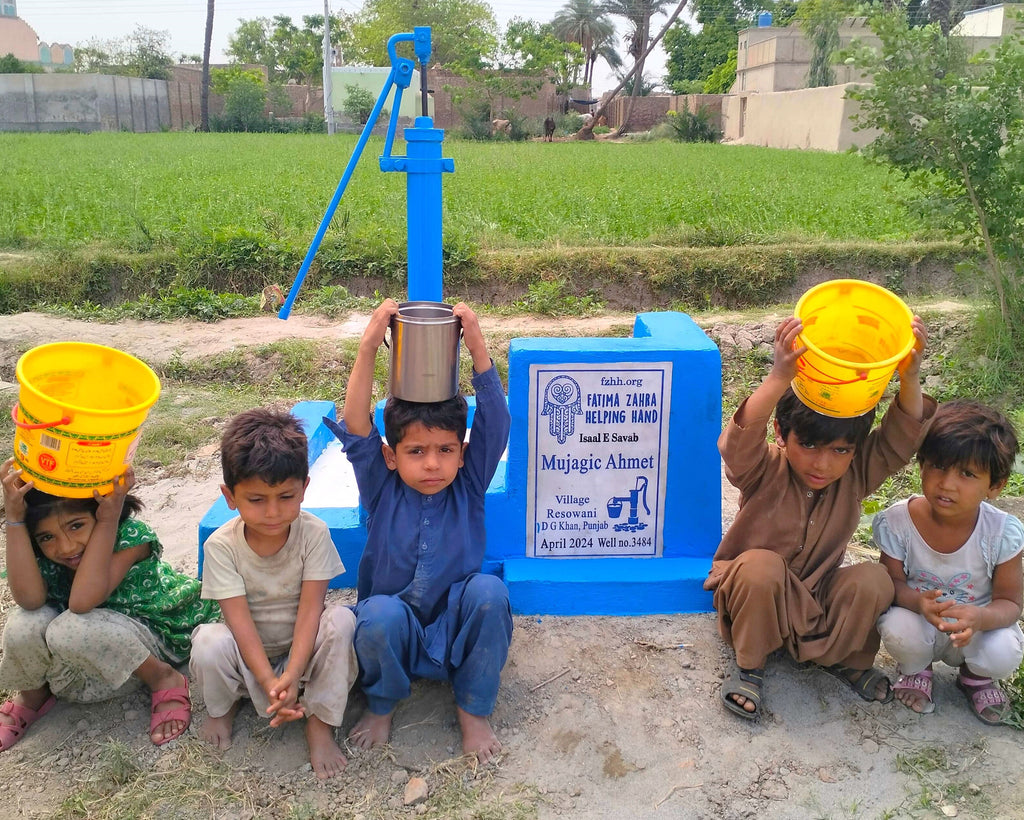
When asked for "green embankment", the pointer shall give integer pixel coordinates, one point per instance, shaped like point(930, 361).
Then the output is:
point(106, 217)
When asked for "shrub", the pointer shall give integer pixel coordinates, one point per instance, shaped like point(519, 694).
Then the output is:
point(245, 98)
point(358, 104)
point(693, 126)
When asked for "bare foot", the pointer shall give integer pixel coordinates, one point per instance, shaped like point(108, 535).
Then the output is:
point(478, 737)
point(169, 729)
point(371, 730)
point(324, 753)
point(217, 730)
point(739, 700)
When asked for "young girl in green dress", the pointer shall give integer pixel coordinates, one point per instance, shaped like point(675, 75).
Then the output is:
point(97, 610)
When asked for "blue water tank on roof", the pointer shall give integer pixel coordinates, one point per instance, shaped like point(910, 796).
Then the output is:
point(764, 19)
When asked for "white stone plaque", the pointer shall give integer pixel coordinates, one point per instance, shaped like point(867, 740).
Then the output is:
point(598, 452)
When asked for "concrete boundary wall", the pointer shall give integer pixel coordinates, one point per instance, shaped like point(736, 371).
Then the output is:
point(810, 118)
point(83, 102)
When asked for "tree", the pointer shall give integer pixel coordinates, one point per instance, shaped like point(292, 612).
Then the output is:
point(204, 88)
point(587, 131)
point(9, 64)
point(722, 78)
point(245, 97)
point(528, 53)
point(819, 21)
point(532, 49)
point(956, 131)
point(143, 53)
point(462, 31)
point(638, 13)
point(587, 24)
point(288, 52)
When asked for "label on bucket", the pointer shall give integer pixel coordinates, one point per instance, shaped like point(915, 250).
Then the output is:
point(90, 456)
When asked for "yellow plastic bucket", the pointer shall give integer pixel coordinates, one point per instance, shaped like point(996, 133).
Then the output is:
point(77, 420)
point(855, 333)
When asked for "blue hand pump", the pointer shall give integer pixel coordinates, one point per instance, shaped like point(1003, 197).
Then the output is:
point(423, 165)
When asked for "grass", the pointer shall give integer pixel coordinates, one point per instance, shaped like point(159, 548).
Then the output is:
point(939, 772)
point(191, 783)
point(216, 192)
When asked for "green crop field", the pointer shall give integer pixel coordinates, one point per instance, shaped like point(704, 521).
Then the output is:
point(144, 190)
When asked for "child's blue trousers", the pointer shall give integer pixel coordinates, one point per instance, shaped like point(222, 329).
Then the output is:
point(392, 646)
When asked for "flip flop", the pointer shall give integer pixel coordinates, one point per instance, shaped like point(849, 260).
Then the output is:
point(921, 684)
point(866, 685)
point(12, 733)
point(178, 694)
point(747, 683)
point(984, 695)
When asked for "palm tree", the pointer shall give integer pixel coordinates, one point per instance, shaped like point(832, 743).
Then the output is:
point(586, 23)
point(638, 13)
point(204, 88)
point(587, 131)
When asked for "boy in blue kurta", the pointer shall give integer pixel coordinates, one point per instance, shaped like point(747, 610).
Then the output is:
point(425, 610)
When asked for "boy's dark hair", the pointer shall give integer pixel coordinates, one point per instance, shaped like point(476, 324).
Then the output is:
point(266, 444)
point(812, 427)
point(435, 415)
point(40, 505)
point(967, 433)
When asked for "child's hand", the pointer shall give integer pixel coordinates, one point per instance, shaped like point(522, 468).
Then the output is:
point(934, 609)
point(965, 625)
point(473, 337)
point(910, 367)
point(787, 352)
point(110, 506)
point(14, 491)
point(283, 692)
point(373, 336)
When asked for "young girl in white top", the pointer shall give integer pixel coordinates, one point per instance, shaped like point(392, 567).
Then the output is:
point(956, 563)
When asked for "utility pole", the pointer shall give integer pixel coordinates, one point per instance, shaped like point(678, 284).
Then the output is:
point(328, 106)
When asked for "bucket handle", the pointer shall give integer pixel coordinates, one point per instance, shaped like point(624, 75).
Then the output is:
point(804, 371)
point(42, 426)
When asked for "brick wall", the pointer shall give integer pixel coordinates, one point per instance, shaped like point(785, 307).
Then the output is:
point(649, 111)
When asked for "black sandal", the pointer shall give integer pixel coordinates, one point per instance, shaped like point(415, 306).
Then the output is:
point(866, 686)
point(746, 683)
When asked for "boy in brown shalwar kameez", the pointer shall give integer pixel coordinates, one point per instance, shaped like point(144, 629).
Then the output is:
point(777, 575)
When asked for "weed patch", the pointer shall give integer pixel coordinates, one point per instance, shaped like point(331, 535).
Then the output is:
point(191, 783)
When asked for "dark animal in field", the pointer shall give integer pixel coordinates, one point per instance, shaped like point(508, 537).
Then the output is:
point(549, 129)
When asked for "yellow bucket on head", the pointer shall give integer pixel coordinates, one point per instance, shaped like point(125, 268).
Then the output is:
point(77, 420)
point(855, 333)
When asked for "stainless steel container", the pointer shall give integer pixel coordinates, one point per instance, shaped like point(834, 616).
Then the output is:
point(424, 352)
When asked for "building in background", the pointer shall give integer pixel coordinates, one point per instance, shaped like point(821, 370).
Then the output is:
point(19, 38)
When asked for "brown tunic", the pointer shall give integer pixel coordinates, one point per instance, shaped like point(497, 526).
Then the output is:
point(809, 532)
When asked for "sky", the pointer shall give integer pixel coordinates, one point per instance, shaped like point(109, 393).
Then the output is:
point(78, 21)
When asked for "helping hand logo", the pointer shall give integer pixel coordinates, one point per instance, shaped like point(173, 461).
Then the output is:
point(562, 402)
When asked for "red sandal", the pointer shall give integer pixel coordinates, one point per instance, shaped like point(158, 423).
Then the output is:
point(178, 694)
point(987, 700)
point(920, 684)
point(11, 733)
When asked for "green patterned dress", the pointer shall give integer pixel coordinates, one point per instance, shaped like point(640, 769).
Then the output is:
point(153, 592)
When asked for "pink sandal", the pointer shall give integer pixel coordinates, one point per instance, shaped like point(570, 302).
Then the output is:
point(921, 684)
point(11, 733)
point(176, 694)
point(986, 699)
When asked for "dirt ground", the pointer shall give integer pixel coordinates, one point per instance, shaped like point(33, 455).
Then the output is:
point(599, 717)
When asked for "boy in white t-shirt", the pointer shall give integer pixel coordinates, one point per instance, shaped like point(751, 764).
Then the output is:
point(269, 569)
point(955, 561)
